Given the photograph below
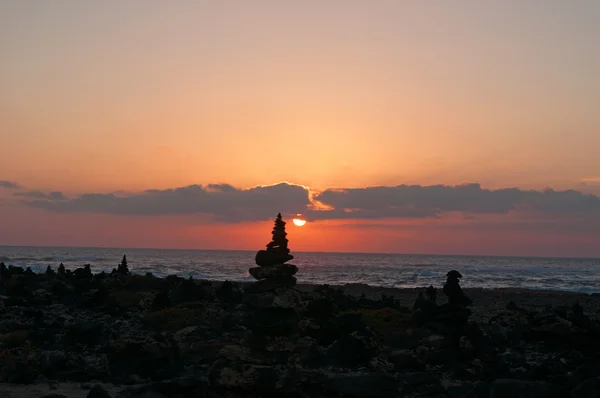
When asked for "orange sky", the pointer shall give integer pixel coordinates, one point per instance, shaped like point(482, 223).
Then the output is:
point(104, 97)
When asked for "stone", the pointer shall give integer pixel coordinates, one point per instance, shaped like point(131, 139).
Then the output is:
point(360, 385)
point(353, 349)
point(286, 298)
point(98, 392)
point(510, 388)
point(274, 271)
point(452, 289)
point(431, 293)
point(178, 387)
point(588, 389)
point(272, 321)
point(266, 285)
point(122, 268)
point(264, 258)
point(248, 377)
point(277, 250)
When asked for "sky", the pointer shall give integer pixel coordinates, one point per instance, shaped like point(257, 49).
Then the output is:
point(463, 127)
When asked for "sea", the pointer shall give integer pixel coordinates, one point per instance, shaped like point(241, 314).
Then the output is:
point(385, 270)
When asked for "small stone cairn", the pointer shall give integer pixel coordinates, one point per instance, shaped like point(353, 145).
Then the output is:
point(272, 271)
point(452, 289)
point(271, 301)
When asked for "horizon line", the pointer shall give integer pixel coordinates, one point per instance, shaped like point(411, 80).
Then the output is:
point(300, 251)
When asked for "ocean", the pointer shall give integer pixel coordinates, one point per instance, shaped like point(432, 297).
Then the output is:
point(387, 270)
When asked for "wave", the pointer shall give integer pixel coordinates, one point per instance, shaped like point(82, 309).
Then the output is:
point(58, 259)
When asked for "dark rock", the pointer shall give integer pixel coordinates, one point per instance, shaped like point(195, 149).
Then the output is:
point(274, 271)
point(360, 385)
point(265, 258)
point(431, 293)
point(452, 289)
point(266, 285)
point(510, 388)
point(281, 298)
point(122, 269)
point(277, 251)
point(144, 356)
point(89, 333)
point(320, 308)
point(179, 387)
point(272, 321)
point(248, 377)
point(229, 292)
point(98, 392)
point(53, 395)
point(353, 349)
point(588, 389)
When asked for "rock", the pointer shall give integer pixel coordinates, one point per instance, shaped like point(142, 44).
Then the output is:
point(178, 387)
point(241, 353)
point(360, 385)
point(265, 258)
point(452, 289)
point(229, 292)
point(98, 392)
point(588, 389)
point(248, 377)
point(86, 332)
point(353, 349)
point(272, 321)
point(53, 395)
point(320, 308)
point(277, 251)
point(274, 271)
point(281, 298)
point(433, 341)
point(183, 333)
point(509, 388)
point(266, 285)
point(144, 356)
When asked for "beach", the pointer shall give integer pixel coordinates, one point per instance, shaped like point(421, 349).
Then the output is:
point(142, 336)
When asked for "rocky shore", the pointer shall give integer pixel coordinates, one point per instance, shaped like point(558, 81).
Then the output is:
point(78, 334)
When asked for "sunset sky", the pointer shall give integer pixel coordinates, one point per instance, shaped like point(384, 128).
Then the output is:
point(391, 126)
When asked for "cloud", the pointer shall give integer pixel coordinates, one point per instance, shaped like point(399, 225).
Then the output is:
point(9, 184)
point(416, 201)
point(54, 195)
point(222, 202)
point(226, 203)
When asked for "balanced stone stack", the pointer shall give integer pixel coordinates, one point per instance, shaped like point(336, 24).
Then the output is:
point(271, 302)
point(273, 271)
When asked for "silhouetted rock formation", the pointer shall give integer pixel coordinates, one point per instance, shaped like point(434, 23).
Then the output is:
point(123, 269)
point(272, 271)
point(432, 293)
point(277, 251)
point(61, 269)
point(453, 291)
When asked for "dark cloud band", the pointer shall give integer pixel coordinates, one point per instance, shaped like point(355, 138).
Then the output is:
point(229, 204)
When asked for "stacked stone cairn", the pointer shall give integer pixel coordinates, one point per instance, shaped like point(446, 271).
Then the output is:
point(450, 319)
point(271, 301)
point(272, 270)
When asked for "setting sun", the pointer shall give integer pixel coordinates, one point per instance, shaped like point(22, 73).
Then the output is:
point(298, 222)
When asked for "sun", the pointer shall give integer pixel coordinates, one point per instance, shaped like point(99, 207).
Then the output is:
point(298, 222)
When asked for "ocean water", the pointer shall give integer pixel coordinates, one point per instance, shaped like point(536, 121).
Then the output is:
point(387, 270)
